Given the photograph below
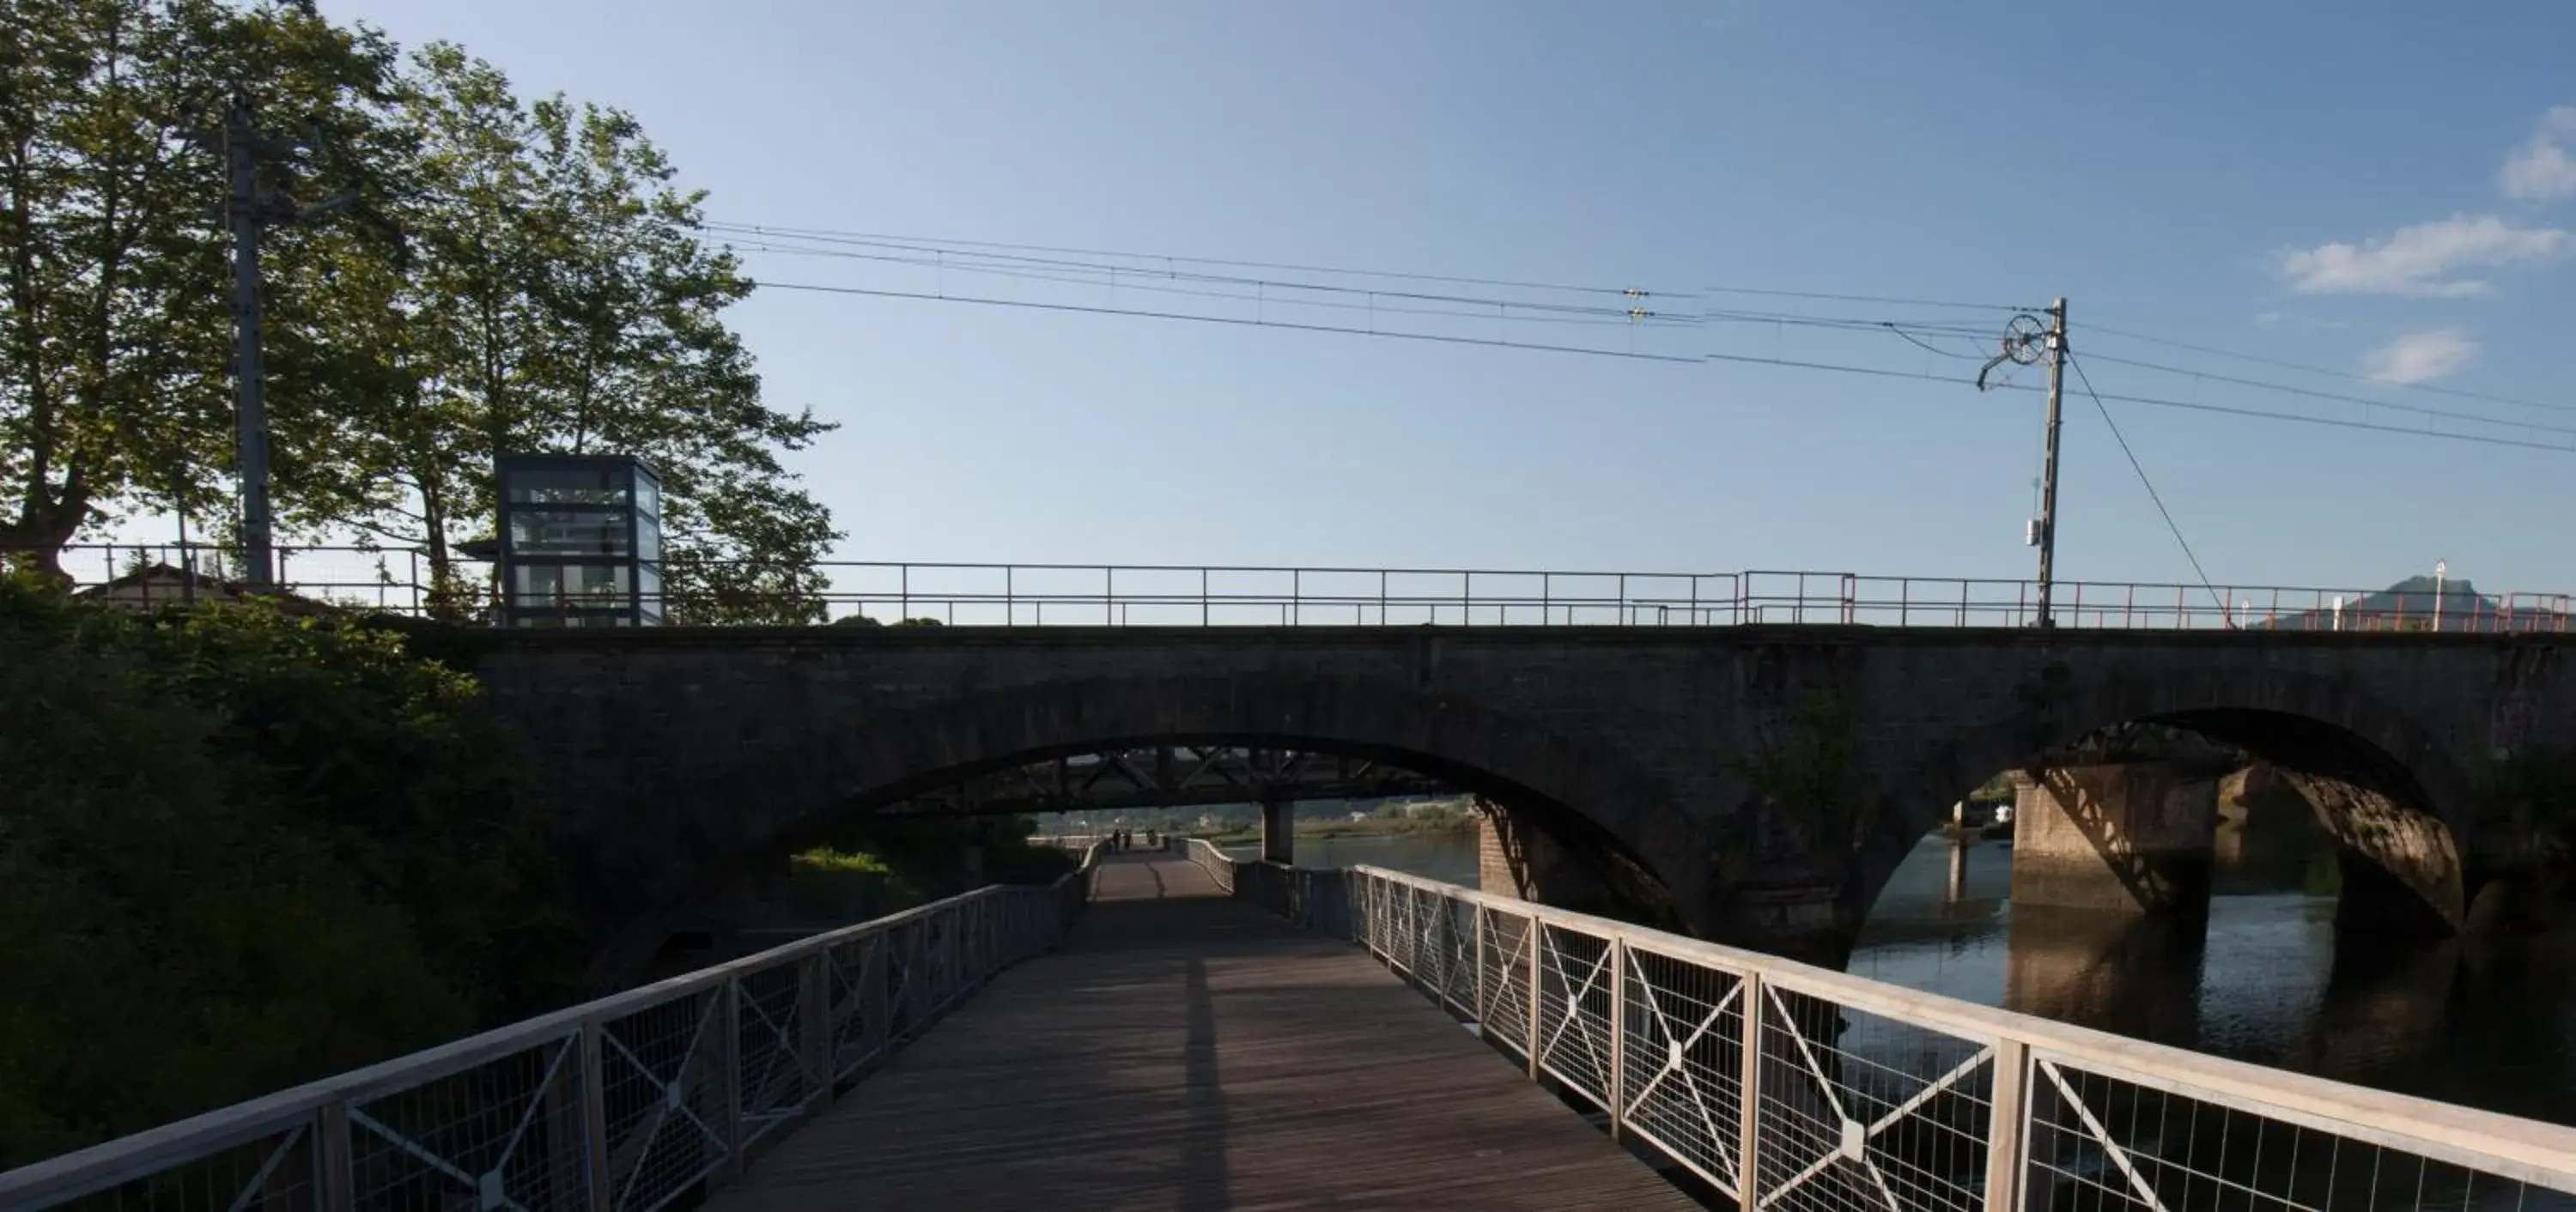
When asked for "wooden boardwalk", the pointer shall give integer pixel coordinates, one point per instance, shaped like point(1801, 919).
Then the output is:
point(1184, 1051)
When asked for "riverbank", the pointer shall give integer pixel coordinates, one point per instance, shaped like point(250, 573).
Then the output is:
point(1423, 825)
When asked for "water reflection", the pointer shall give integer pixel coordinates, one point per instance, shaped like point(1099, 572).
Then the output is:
point(2487, 1023)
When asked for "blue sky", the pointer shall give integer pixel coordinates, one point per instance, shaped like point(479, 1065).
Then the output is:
point(2186, 170)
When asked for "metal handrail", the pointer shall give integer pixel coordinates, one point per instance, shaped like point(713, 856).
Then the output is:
point(1053, 594)
point(848, 998)
point(2032, 1096)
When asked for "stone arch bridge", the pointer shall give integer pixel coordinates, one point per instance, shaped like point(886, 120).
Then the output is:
point(1746, 783)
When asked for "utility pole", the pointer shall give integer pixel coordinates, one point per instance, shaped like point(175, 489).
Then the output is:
point(2025, 343)
point(247, 212)
point(2048, 470)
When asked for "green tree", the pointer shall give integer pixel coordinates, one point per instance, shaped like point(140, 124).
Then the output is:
point(556, 296)
point(115, 344)
point(516, 278)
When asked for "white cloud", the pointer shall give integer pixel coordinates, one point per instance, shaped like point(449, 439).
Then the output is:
point(2423, 259)
point(2421, 357)
point(2542, 168)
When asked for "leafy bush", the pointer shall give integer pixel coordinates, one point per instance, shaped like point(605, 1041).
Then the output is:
point(238, 851)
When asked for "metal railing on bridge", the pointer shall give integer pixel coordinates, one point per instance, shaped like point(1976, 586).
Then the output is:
point(620, 1105)
point(1029, 595)
point(1873, 1096)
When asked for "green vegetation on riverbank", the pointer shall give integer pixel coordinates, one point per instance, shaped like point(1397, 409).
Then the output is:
point(1439, 817)
point(874, 866)
point(240, 851)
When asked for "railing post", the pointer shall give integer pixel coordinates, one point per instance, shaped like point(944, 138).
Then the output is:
point(814, 1020)
point(728, 1009)
point(2010, 1112)
point(1529, 995)
point(1481, 1022)
point(1617, 1099)
point(336, 1189)
point(594, 1117)
point(1748, 1132)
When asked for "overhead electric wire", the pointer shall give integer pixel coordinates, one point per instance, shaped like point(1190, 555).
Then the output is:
point(2339, 423)
point(941, 257)
point(1903, 302)
point(2366, 401)
point(2330, 372)
point(1148, 281)
point(1236, 321)
point(2150, 484)
point(1913, 331)
point(819, 233)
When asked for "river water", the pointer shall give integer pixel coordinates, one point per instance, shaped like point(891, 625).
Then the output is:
point(2485, 1024)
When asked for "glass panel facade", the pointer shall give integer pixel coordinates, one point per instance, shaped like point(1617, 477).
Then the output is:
point(602, 586)
point(568, 486)
point(580, 540)
point(568, 532)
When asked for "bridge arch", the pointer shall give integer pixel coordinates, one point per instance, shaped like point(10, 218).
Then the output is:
point(2396, 797)
point(1620, 820)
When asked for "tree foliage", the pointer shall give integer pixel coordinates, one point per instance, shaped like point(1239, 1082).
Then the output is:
point(115, 345)
point(239, 851)
point(1803, 768)
point(516, 277)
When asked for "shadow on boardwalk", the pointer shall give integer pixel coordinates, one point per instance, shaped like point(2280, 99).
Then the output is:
point(1184, 1051)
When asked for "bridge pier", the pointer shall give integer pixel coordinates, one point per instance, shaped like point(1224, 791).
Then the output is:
point(2130, 837)
point(1279, 830)
point(1515, 858)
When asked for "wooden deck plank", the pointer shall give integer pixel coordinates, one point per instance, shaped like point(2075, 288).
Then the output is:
point(1183, 1051)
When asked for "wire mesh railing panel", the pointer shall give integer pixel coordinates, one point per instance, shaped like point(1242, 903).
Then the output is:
point(1505, 964)
point(507, 1133)
point(1862, 1110)
point(2097, 1141)
point(855, 973)
point(1682, 1061)
point(776, 1075)
point(1575, 983)
point(1426, 944)
point(272, 1170)
point(1458, 954)
point(663, 1091)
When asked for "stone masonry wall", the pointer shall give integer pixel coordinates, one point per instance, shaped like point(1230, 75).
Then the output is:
point(671, 753)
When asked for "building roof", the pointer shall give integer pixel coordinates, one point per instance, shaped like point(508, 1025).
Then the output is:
point(157, 585)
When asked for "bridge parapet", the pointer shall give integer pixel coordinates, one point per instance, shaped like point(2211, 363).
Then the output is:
point(394, 580)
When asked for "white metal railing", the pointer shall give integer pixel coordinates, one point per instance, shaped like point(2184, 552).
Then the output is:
point(1210, 858)
point(619, 1105)
point(1872, 1096)
point(1168, 595)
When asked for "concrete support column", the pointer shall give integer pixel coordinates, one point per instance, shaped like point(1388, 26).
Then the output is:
point(1514, 859)
point(2133, 837)
point(1279, 831)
